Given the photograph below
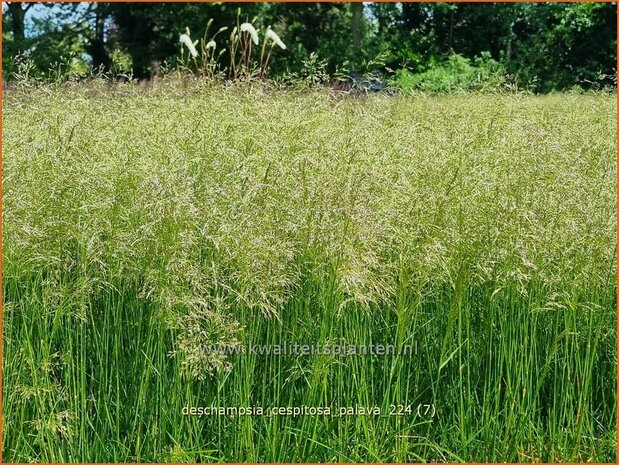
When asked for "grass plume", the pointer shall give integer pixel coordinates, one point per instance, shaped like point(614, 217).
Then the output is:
point(141, 226)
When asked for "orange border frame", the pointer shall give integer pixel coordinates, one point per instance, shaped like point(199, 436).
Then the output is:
point(326, 1)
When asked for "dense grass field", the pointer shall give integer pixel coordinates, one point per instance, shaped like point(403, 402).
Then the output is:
point(141, 228)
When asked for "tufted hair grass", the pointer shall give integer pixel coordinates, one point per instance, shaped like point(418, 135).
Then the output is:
point(141, 226)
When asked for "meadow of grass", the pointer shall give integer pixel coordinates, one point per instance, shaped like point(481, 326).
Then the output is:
point(140, 227)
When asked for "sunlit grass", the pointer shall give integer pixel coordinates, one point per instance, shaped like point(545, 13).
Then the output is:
point(139, 227)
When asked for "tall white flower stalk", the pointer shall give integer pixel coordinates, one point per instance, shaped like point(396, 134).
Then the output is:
point(270, 34)
point(249, 35)
point(251, 30)
point(209, 53)
point(272, 38)
point(233, 43)
point(186, 41)
point(204, 56)
point(205, 59)
point(210, 45)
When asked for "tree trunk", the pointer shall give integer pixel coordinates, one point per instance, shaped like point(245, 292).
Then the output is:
point(381, 23)
point(357, 26)
point(450, 40)
point(17, 15)
point(100, 57)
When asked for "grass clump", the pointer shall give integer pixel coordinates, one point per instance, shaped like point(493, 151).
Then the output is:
point(142, 226)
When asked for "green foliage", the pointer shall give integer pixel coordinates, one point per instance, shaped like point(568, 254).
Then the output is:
point(8, 57)
point(563, 45)
point(52, 51)
point(322, 29)
point(457, 73)
point(313, 72)
point(542, 46)
point(59, 49)
point(120, 63)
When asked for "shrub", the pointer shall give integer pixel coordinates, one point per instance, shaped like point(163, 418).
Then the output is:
point(457, 73)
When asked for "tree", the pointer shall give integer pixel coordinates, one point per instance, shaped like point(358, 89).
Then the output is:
point(557, 44)
point(562, 45)
point(96, 48)
point(357, 29)
point(17, 18)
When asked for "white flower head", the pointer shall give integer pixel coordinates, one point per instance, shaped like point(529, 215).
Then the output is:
point(211, 44)
point(251, 30)
point(186, 40)
point(275, 38)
